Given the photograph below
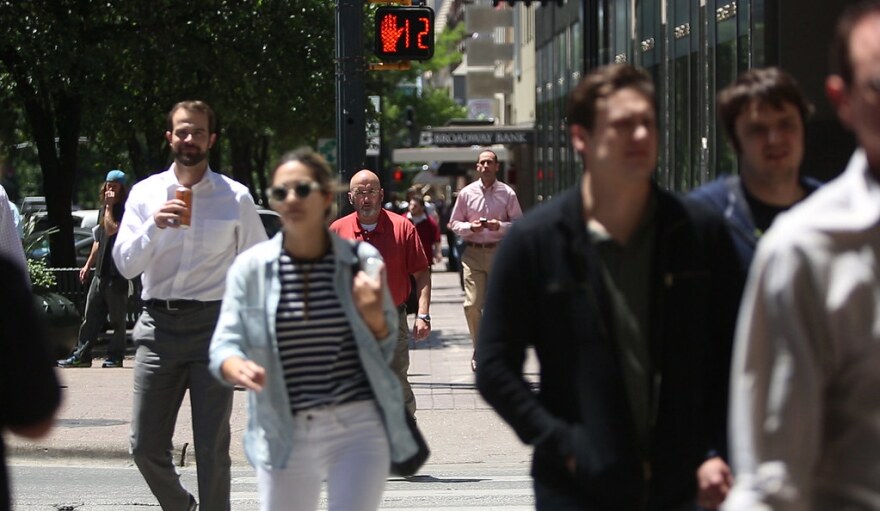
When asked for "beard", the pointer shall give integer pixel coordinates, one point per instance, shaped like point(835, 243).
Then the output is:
point(188, 156)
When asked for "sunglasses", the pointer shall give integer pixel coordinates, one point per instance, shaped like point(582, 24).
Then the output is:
point(301, 189)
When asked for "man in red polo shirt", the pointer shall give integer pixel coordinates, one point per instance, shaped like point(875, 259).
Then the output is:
point(396, 239)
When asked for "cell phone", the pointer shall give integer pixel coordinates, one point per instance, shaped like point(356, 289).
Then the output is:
point(484, 221)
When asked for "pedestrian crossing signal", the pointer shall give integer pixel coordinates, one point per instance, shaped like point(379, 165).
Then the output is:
point(404, 33)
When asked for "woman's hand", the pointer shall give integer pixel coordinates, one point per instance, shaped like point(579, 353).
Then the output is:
point(367, 293)
point(240, 371)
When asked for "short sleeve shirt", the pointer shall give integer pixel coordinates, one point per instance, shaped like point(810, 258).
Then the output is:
point(396, 239)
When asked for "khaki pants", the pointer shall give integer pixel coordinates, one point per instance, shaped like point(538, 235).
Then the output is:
point(400, 362)
point(476, 265)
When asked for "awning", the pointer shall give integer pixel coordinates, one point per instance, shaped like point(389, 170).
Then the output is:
point(445, 154)
point(426, 177)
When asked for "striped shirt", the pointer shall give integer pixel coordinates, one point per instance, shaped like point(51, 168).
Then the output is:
point(318, 351)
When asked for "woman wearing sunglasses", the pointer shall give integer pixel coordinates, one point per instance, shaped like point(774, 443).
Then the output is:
point(312, 342)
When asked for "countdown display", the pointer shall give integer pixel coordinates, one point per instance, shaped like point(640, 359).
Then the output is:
point(404, 33)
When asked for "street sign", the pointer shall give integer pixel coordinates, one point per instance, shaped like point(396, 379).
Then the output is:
point(404, 33)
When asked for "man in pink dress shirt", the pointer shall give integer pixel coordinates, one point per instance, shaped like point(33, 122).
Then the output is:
point(483, 212)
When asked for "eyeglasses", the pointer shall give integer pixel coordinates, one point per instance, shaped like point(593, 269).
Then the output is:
point(301, 189)
point(360, 194)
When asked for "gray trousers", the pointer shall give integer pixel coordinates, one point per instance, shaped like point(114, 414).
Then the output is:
point(106, 296)
point(172, 356)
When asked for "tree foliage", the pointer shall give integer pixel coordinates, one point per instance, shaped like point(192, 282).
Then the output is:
point(78, 76)
point(85, 87)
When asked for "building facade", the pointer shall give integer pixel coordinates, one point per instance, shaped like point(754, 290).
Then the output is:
point(692, 48)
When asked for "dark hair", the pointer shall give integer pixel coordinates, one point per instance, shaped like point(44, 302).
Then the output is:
point(321, 171)
point(193, 106)
point(852, 16)
point(769, 85)
point(489, 151)
point(601, 83)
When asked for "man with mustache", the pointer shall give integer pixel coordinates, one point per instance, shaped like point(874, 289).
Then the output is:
point(184, 277)
point(398, 242)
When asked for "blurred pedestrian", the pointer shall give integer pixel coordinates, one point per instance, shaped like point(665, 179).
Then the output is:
point(628, 295)
point(108, 292)
point(398, 242)
point(325, 405)
point(10, 240)
point(426, 227)
point(482, 215)
point(29, 391)
point(183, 249)
point(763, 112)
point(804, 402)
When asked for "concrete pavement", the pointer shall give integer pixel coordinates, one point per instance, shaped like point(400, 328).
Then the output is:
point(93, 423)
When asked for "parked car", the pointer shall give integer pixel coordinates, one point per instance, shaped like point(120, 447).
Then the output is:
point(32, 204)
point(87, 218)
point(82, 245)
point(271, 221)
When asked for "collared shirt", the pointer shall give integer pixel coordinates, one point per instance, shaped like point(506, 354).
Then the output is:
point(10, 242)
point(627, 270)
point(397, 240)
point(806, 369)
point(476, 201)
point(189, 263)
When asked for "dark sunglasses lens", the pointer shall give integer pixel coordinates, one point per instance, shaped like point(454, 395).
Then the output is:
point(302, 190)
point(278, 193)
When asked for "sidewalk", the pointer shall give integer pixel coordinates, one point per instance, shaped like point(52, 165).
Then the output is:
point(93, 422)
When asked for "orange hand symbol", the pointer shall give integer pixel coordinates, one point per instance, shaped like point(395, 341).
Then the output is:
point(390, 34)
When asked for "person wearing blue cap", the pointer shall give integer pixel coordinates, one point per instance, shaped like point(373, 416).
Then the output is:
point(108, 292)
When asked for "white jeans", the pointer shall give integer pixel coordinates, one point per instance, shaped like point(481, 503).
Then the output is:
point(344, 445)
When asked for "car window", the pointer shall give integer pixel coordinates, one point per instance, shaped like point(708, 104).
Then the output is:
point(271, 221)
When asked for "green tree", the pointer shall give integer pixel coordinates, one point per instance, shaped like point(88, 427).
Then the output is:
point(98, 78)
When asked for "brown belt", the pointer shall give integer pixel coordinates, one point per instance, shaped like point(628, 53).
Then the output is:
point(481, 245)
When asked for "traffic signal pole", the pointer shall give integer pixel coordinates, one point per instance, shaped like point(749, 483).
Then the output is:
point(351, 142)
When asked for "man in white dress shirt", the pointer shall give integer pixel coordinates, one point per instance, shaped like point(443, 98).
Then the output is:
point(806, 371)
point(183, 274)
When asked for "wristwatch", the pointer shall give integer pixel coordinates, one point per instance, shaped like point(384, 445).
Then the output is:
point(424, 317)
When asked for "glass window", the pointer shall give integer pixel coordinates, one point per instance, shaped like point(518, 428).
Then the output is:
point(680, 104)
point(726, 56)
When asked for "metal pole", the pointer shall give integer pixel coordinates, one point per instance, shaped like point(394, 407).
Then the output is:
point(350, 99)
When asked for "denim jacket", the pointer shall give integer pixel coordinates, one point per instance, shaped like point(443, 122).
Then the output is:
point(246, 328)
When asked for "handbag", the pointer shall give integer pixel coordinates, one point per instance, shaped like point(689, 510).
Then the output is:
point(412, 464)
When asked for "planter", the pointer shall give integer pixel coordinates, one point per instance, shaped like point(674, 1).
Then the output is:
point(62, 322)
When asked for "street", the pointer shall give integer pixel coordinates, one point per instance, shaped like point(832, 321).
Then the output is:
point(119, 487)
point(476, 462)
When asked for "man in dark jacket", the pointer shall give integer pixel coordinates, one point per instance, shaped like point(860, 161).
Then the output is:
point(628, 296)
point(763, 112)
